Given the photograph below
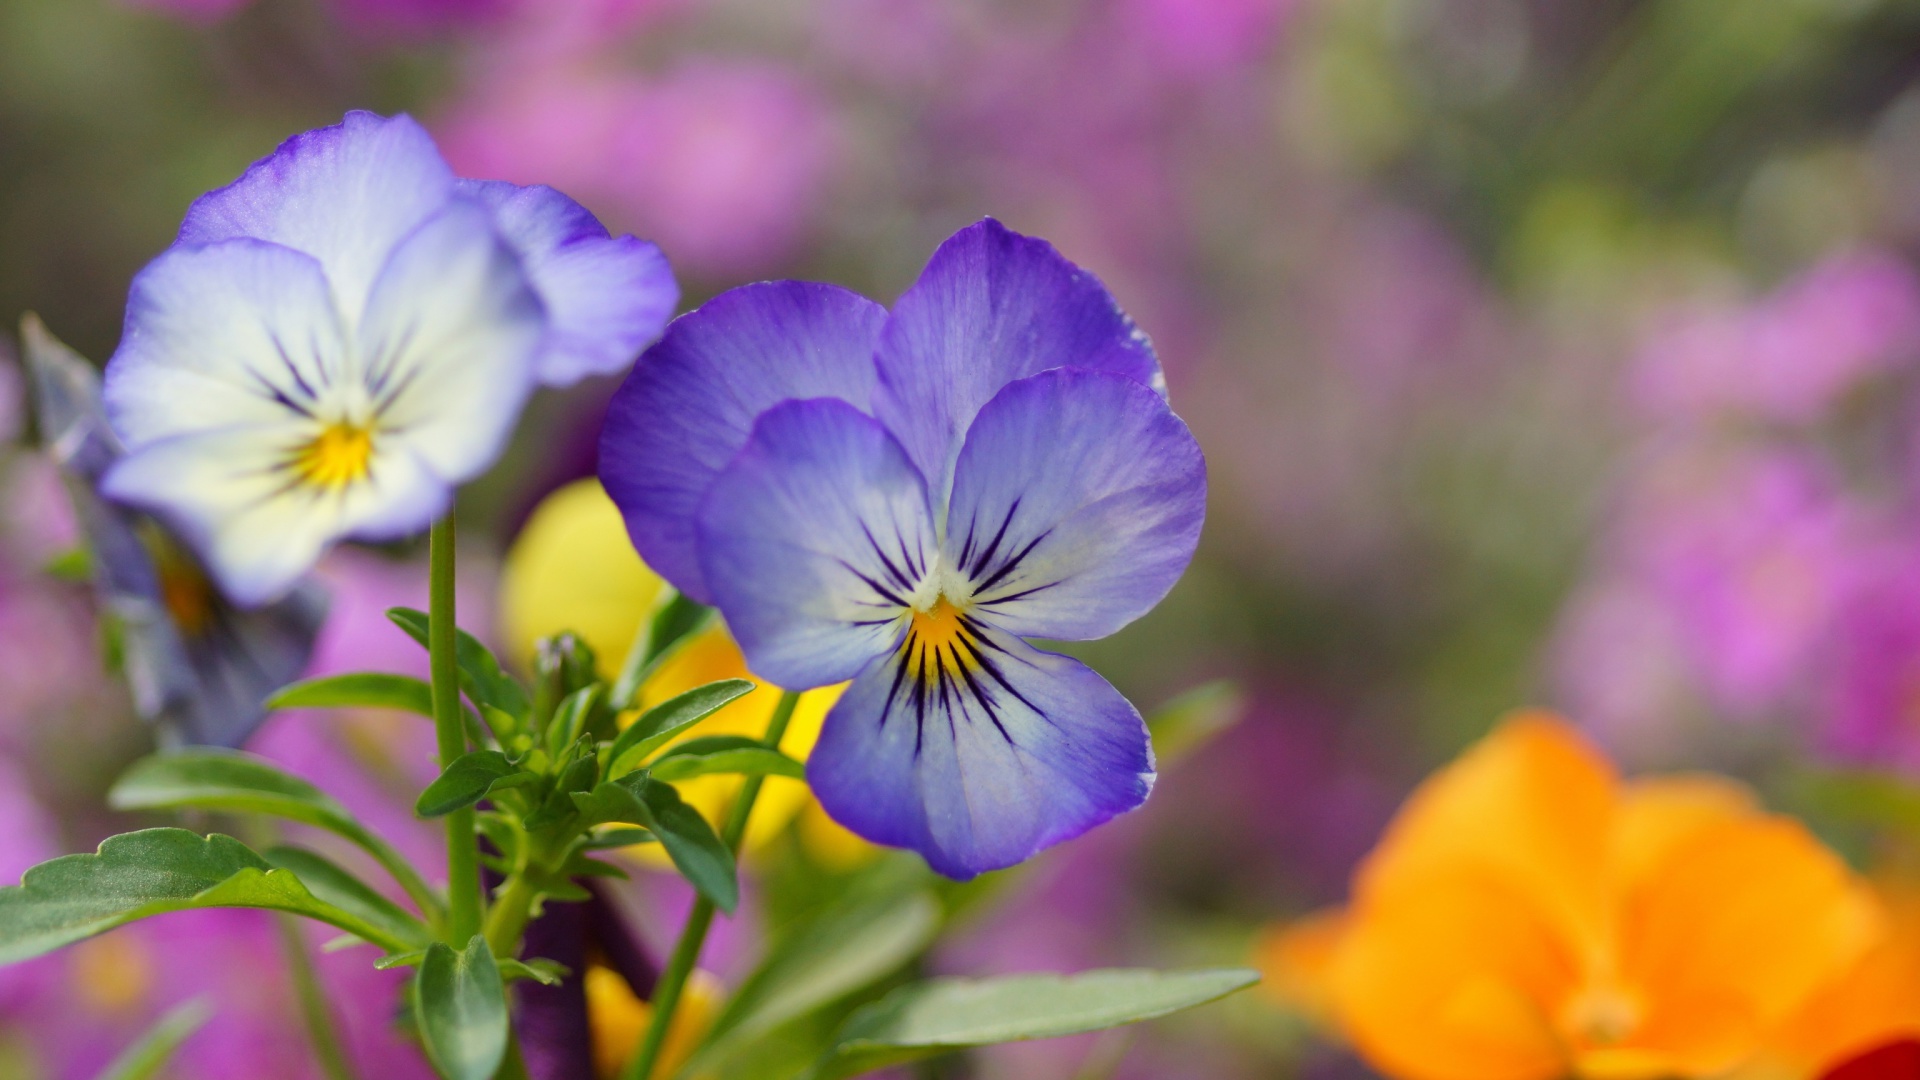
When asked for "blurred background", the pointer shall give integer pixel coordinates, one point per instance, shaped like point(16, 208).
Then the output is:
point(1545, 352)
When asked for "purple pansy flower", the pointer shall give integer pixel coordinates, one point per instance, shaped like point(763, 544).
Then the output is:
point(346, 332)
point(901, 499)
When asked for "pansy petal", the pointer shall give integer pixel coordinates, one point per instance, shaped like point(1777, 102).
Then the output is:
point(607, 297)
point(982, 758)
point(814, 540)
point(257, 531)
point(1077, 502)
point(692, 399)
point(234, 333)
point(993, 306)
point(344, 194)
point(450, 341)
point(66, 396)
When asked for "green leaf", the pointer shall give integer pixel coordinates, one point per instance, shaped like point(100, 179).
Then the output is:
point(674, 621)
point(360, 690)
point(152, 872)
point(748, 760)
point(480, 674)
point(74, 564)
point(150, 1051)
point(696, 851)
point(333, 884)
point(576, 778)
point(466, 781)
point(1193, 719)
point(462, 1010)
point(618, 838)
point(658, 725)
point(570, 719)
point(818, 961)
point(543, 971)
point(925, 1019)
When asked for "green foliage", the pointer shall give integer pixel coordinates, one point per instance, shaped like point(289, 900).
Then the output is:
point(690, 842)
point(333, 884)
point(209, 778)
point(683, 763)
point(658, 725)
point(674, 621)
point(464, 782)
point(149, 1053)
point(480, 675)
point(152, 872)
point(360, 690)
point(926, 1019)
point(461, 1006)
point(843, 949)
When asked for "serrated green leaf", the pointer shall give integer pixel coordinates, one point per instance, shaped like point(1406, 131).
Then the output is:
point(333, 884)
point(149, 1053)
point(690, 842)
point(658, 725)
point(576, 778)
point(461, 1006)
point(819, 961)
point(464, 782)
point(480, 673)
point(1194, 719)
point(152, 872)
point(360, 690)
point(746, 760)
point(210, 778)
point(925, 1019)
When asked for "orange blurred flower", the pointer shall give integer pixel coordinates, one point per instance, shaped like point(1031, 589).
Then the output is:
point(1529, 915)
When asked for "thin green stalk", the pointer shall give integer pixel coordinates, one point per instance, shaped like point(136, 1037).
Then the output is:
point(686, 951)
point(507, 918)
point(463, 866)
point(321, 1031)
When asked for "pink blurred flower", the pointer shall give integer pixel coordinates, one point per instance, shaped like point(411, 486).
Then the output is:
point(1201, 37)
point(1618, 665)
point(1790, 356)
point(722, 164)
point(1870, 704)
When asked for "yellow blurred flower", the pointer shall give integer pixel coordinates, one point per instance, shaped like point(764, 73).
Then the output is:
point(1529, 915)
point(572, 568)
point(618, 1018)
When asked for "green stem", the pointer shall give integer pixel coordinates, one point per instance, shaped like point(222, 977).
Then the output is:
point(686, 951)
point(313, 1001)
point(507, 918)
point(463, 868)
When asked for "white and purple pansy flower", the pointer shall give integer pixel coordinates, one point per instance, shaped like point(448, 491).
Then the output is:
point(902, 499)
point(348, 331)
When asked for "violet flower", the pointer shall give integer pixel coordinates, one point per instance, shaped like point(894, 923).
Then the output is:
point(198, 667)
point(344, 334)
point(902, 499)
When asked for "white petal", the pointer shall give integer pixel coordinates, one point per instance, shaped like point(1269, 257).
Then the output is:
point(449, 342)
point(239, 332)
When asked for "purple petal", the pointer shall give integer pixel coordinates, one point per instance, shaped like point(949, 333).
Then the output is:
point(1077, 503)
point(692, 399)
point(344, 194)
point(607, 297)
point(814, 540)
point(992, 306)
point(984, 761)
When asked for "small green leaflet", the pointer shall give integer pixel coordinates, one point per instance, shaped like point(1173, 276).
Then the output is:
point(657, 726)
point(690, 842)
point(466, 781)
point(480, 674)
point(925, 1019)
point(461, 1006)
point(361, 690)
point(747, 760)
point(674, 621)
point(152, 872)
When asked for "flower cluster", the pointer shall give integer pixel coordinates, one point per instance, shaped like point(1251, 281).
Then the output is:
point(901, 499)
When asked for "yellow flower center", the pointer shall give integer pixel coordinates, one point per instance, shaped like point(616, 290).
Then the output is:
point(939, 629)
point(341, 454)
